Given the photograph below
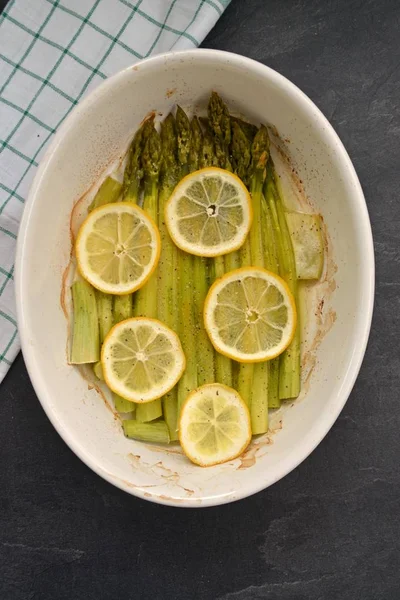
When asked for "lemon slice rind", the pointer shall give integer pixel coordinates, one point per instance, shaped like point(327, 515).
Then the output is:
point(142, 359)
point(214, 425)
point(209, 213)
point(128, 249)
point(250, 315)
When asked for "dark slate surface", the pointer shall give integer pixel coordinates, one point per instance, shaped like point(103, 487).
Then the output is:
point(330, 529)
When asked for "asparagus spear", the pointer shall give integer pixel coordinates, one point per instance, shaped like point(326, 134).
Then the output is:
point(109, 191)
point(195, 146)
point(259, 390)
point(146, 432)
point(187, 326)
point(184, 135)
point(220, 123)
point(133, 171)
point(223, 365)
point(146, 297)
point(168, 265)
point(272, 264)
point(98, 370)
point(123, 406)
point(241, 155)
point(85, 347)
point(205, 350)
point(289, 363)
point(248, 129)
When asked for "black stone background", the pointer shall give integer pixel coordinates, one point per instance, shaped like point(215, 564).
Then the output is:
point(331, 528)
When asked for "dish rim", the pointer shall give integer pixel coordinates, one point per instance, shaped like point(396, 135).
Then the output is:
point(313, 440)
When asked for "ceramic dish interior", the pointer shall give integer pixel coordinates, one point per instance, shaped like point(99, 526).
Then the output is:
point(338, 310)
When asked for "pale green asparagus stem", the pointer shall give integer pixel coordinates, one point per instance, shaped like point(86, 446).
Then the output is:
point(105, 313)
point(146, 432)
point(122, 307)
point(241, 157)
point(204, 349)
point(98, 370)
point(146, 297)
point(168, 265)
point(272, 264)
point(187, 323)
point(260, 386)
point(124, 406)
point(223, 365)
point(85, 346)
point(109, 191)
point(289, 364)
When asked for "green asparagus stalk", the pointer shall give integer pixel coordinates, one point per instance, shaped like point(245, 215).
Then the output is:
point(109, 191)
point(146, 297)
point(105, 313)
point(133, 171)
point(205, 350)
point(131, 187)
point(187, 324)
point(123, 406)
point(241, 156)
point(85, 347)
point(223, 365)
point(220, 124)
point(195, 146)
point(272, 264)
point(98, 370)
point(122, 307)
point(248, 129)
point(168, 265)
point(260, 386)
point(146, 432)
point(289, 362)
point(184, 136)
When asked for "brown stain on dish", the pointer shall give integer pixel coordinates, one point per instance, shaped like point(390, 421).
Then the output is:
point(325, 318)
point(258, 448)
point(158, 469)
point(169, 93)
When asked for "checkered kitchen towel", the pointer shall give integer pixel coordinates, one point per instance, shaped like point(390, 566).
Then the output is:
point(53, 53)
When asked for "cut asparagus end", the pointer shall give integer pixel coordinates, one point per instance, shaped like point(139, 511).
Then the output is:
point(170, 412)
point(122, 405)
point(98, 371)
point(85, 347)
point(109, 191)
point(149, 411)
point(308, 246)
point(146, 432)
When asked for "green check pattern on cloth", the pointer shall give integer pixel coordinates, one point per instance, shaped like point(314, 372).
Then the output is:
point(52, 54)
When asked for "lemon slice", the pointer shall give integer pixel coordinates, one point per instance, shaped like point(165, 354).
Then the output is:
point(117, 248)
point(142, 359)
point(209, 212)
point(250, 315)
point(214, 425)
